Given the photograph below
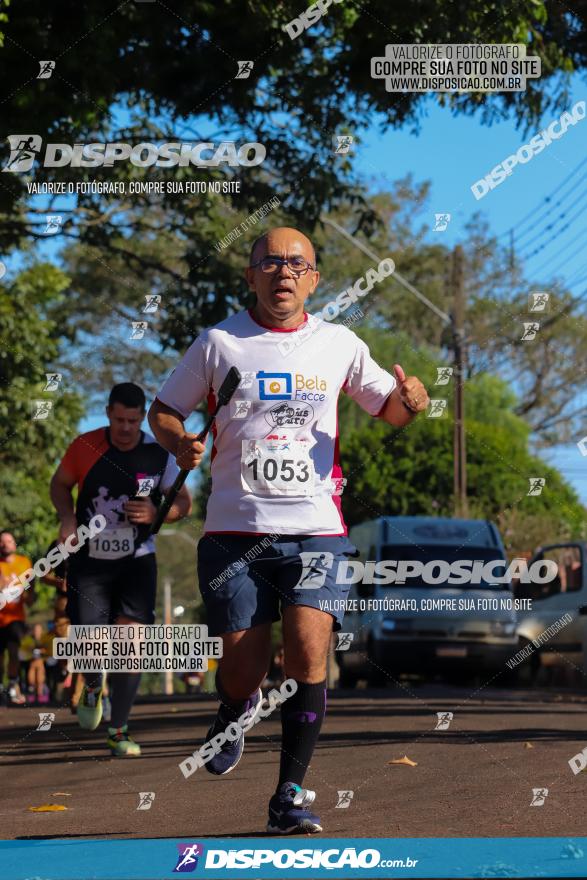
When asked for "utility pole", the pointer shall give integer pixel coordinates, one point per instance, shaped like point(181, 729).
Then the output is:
point(512, 250)
point(168, 674)
point(458, 323)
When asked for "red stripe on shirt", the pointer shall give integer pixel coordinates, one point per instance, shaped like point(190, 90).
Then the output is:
point(278, 329)
point(337, 473)
point(211, 408)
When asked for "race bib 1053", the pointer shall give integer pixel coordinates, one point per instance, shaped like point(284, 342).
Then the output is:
point(272, 467)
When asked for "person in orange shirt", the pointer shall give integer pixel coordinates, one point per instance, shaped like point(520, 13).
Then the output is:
point(12, 616)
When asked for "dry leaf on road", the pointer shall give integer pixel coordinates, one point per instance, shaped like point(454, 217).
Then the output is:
point(48, 808)
point(405, 760)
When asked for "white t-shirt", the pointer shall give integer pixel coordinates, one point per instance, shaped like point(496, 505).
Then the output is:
point(275, 464)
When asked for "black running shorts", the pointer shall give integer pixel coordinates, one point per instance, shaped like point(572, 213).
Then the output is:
point(100, 591)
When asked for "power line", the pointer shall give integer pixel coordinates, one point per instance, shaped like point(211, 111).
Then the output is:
point(548, 212)
point(558, 253)
point(579, 281)
point(554, 237)
point(545, 200)
point(572, 279)
point(561, 216)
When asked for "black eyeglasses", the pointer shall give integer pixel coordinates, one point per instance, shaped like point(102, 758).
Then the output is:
point(271, 265)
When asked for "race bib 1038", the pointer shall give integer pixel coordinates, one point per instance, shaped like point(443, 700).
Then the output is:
point(112, 544)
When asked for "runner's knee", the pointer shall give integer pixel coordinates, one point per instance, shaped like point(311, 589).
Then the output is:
point(310, 670)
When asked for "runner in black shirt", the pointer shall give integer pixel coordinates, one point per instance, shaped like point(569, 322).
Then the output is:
point(120, 472)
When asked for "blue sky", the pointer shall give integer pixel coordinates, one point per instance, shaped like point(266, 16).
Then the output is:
point(455, 151)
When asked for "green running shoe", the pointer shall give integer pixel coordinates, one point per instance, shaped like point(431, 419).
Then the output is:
point(121, 744)
point(89, 708)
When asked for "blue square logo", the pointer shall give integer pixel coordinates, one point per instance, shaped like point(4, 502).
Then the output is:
point(187, 860)
point(274, 386)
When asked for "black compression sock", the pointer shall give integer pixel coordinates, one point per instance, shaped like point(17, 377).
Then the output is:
point(229, 708)
point(301, 720)
point(124, 687)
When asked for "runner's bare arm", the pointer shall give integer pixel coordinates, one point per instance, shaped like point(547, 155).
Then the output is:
point(60, 488)
point(168, 429)
point(182, 506)
point(394, 411)
point(53, 581)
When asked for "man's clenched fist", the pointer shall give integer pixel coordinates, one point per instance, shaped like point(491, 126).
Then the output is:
point(189, 452)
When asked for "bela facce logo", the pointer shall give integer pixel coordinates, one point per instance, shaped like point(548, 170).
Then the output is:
point(280, 386)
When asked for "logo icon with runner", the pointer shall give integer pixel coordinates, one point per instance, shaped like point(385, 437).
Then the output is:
point(244, 69)
point(538, 301)
point(441, 222)
point(53, 224)
point(315, 567)
point(437, 409)
point(344, 800)
point(23, 150)
point(146, 799)
point(537, 484)
point(46, 719)
point(344, 143)
point(443, 375)
point(187, 860)
point(46, 68)
point(338, 484)
point(138, 329)
point(53, 380)
point(531, 328)
point(444, 719)
point(344, 641)
point(240, 408)
point(152, 302)
point(145, 486)
point(42, 408)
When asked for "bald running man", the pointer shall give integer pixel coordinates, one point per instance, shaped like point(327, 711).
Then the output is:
point(274, 512)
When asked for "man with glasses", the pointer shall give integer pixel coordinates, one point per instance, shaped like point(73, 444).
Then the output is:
point(274, 532)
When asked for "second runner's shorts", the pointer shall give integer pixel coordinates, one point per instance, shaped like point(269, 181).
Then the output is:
point(99, 590)
point(245, 580)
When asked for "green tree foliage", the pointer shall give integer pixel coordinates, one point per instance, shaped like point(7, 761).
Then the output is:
point(410, 471)
point(105, 298)
point(32, 345)
point(164, 70)
point(542, 370)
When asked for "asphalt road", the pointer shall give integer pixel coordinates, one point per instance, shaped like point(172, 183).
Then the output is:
point(474, 779)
